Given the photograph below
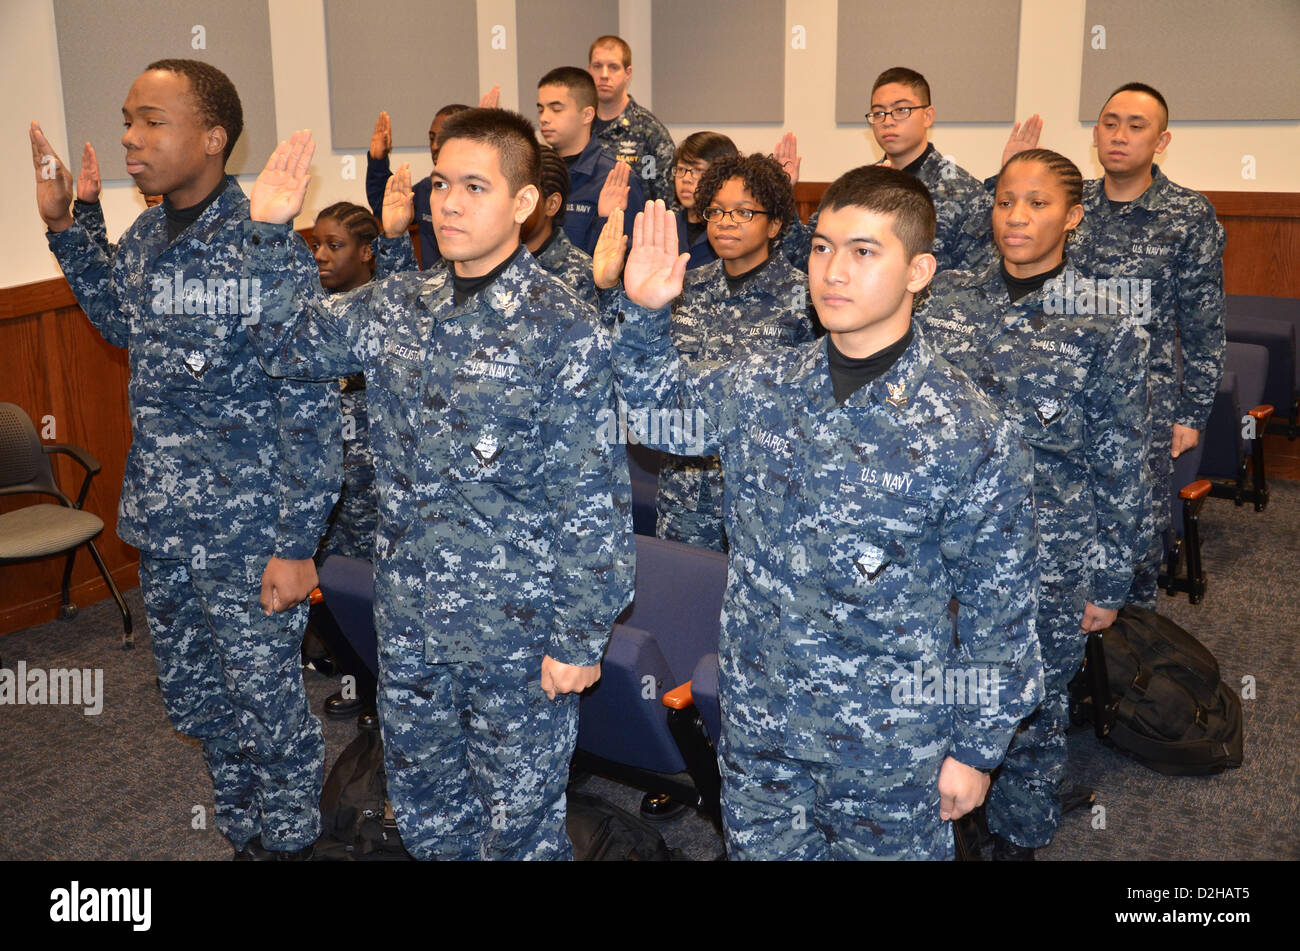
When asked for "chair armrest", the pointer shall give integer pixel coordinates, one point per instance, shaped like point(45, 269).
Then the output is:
point(679, 698)
point(84, 458)
point(1195, 490)
point(1261, 413)
point(88, 462)
point(316, 597)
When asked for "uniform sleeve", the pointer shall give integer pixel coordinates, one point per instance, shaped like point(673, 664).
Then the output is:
point(1117, 438)
point(588, 489)
point(300, 331)
point(654, 380)
point(90, 214)
point(393, 255)
point(378, 172)
point(796, 243)
point(991, 547)
point(90, 273)
point(1201, 308)
point(311, 463)
point(970, 242)
point(665, 154)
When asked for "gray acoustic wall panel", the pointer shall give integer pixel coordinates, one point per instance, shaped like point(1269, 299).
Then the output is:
point(966, 51)
point(1210, 60)
point(720, 61)
point(103, 47)
point(409, 57)
point(557, 33)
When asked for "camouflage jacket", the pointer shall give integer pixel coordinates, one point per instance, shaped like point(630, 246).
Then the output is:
point(570, 265)
point(641, 140)
point(1076, 385)
point(1168, 236)
point(504, 512)
point(223, 458)
point(851, 527)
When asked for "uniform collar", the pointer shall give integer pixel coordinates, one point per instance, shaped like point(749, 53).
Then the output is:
point(777, 274)
point(231, 202)
point(503, 296)
point(894, 390)
point(588, 158)
point(1150, 200)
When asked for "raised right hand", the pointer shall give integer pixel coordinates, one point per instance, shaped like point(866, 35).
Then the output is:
point(655, 271)
point(381, 141)
point(1024, 136)
point(399, 202)
point(607, 259)
point(88, 183)
point(53, 183)
point(278, 193)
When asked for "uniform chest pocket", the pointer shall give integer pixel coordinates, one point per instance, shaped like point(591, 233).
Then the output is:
point(872, 535)
point(1051, 418)
point(495, 433)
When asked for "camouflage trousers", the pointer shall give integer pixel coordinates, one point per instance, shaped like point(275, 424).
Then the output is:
point(352, 524)
point(1145, 589)
point(1023, 802)
point(776, 807)
point(232, 679)
point(689, 503)
point(477, 757)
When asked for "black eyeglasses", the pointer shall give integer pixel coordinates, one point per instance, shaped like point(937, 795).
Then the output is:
point(738, 215)
point(688, 171)
point(899, 114)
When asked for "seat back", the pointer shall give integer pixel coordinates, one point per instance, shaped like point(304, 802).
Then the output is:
point(678, 599)
point(24, 466)
point(349, 588)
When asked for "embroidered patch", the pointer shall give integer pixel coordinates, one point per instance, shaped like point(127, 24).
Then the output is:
point(871, 562)
point(486, 450)
point(896, 397)
point(196, 363)
point(1049, 411)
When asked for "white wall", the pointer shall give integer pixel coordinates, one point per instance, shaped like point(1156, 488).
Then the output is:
point(1206, 156)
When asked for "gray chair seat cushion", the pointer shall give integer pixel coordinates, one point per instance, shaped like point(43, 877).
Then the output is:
point(39, 530)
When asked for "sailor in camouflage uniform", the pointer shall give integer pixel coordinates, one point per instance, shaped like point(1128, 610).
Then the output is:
point(730, 308)
point(627, 130)
point(852, 524)
point(1168, 235)
point(231, 474)
point(504, 549)
point(900, 118)
point(1064, 360)
point(544, 235)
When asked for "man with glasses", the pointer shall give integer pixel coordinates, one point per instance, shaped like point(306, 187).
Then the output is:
point(900, 116)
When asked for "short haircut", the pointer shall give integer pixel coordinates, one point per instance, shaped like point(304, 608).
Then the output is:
point(1150, 91)
point(704, 147)
point(214, 95)
point(578, 81)
point(555, 179)
point(887, 191)
point(908, 77)
point(763, 178)
point(1066, 172)
point(611, 40)
point(450, 110)
point(509, 133)
point(356, 220)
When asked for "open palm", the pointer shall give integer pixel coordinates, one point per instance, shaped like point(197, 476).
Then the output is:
point(281, 188)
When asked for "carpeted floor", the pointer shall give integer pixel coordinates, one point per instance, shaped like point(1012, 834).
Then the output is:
point(124, 785)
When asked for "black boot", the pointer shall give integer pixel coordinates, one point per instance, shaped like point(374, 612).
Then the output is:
point(1004, 850)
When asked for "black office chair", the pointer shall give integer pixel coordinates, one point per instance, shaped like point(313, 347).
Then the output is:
point(41, 530)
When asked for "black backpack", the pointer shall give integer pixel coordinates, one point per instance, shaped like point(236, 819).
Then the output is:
point(356, 821)
point(602, 832)
point(1152, 691)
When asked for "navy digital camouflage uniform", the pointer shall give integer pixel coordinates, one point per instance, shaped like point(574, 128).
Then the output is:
point(504, 528)
point(1169, 235)
point(963, 208)
point(570, 265)
point(587, 175)
point(378, 171)
point(711, 322)
point(851, 527)
point(641, 140)
point(1076, 386)
point(227, 467)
